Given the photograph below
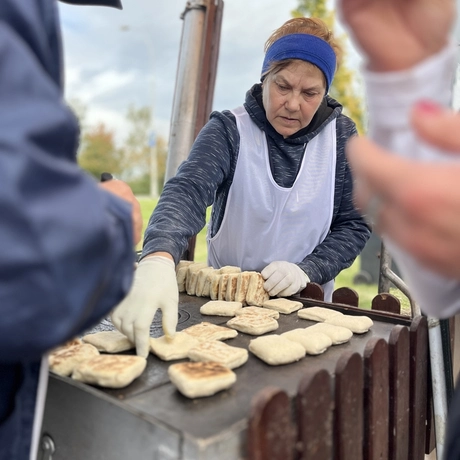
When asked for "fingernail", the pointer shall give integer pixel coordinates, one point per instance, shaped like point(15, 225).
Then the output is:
point(428, 107)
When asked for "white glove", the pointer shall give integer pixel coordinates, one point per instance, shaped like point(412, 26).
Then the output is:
point(284, 279)
point(154, 287)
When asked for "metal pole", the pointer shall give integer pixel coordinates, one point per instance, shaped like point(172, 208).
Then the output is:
point(186, 93)
point(438, 383)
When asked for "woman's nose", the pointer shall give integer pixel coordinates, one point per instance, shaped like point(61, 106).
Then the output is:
point(292, 102)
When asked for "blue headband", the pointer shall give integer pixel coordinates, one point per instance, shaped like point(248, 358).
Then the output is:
point(306, 47)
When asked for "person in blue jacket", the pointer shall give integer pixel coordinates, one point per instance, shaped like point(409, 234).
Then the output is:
point(66, 242)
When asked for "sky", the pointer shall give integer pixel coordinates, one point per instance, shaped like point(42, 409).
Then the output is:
point(114, 59)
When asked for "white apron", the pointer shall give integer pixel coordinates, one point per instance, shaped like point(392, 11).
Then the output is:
point(264, 222)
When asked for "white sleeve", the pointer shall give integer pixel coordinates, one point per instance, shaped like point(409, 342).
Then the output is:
point(390, 97)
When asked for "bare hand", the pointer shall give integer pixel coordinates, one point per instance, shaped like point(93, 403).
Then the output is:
point(420, 208)
point(397, 34)
point(123, 190)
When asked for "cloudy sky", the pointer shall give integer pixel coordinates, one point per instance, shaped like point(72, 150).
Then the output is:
point(114, 59)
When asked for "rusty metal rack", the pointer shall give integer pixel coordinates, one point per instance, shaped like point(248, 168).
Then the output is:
point(150, 419)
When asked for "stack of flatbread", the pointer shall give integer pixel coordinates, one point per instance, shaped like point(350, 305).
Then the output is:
point(227, 283)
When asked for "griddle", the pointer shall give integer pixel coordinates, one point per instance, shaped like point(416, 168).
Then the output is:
point(163, 424)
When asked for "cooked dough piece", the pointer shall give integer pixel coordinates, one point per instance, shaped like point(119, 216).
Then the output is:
point(181, 277)
point(219, 352)
point(64, 360)
point(182, 273)
point(231, 287)
point(183, 263)
point(242, 286)
point(337, 334)
point(253, 324)
point(205, 332)
point(206, 291)
point(258, 311)
point(110, 371)
point(195, 380)
point(229, 269)
point(256, 294)
point(192, 277)
point(220, 308)
point(356, 324)
point(201, 280)
point(284, 306)
point(175, 348)
point(276, 350)
point(317, 313)
point(223, 286)
point(214, 289)
point(109, 341)
point(68, 344)
point(314, 343)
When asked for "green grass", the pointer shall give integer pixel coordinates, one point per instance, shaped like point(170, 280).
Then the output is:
point(366, 292)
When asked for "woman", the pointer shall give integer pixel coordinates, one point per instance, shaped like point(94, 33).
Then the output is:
point(276, 174)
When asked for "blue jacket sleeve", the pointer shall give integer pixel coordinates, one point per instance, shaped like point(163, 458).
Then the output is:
point(66, 254)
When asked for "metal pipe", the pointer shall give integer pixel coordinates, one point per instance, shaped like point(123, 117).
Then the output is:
point(438, 383)
point(186, 93)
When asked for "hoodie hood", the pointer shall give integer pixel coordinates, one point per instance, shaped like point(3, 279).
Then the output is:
point(327, 111)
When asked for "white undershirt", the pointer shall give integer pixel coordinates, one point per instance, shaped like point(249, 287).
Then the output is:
point(390, 97)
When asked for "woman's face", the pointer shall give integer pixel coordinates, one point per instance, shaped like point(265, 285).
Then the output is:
point(292, 96)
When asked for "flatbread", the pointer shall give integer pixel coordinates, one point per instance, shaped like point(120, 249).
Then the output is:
point(223, 281)
point(181, 277)
point(109, 341)
point(356, 324)
point(68, 344)
point(214, 288)
point(337, 334)
point(317, 313)
point(242, 286)
point(205, 332)
point(231, 287)
point(314, 343)
point(220, 308)
point(192, 277)
point(258, 311)
point(64, 360)
point(229, 269)
point(219, 352)
point(256, 294)
point(206, 291)
point(201, 281)
point(183, 263)
point(195, 380)
point(276, 350)
point(253, 324)
point(110, 371)
point(175, 348)
point(284, 306)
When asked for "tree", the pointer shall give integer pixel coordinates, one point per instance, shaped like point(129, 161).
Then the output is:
point(99, 153)
point(137, 152)
point(136, 158)
point(345, 87)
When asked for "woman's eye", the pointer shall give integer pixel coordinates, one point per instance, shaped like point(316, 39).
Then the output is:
point(282, 88)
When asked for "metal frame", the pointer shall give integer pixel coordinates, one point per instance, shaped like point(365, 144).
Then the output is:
point(439, 345)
